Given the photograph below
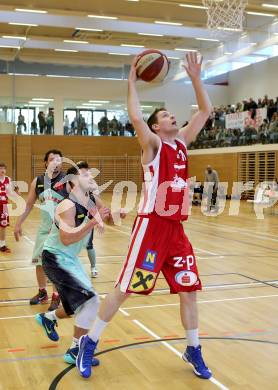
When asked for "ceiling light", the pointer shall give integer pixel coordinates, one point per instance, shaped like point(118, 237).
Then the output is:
point(252, 43)
point(170, 23)
point(207, 39)
point(193, 6)
point(43, 103)
point(87, 29)
point(174, 58)
point(269, 5)
point(151, 35)
point(72, 41)
point(147, 106)
point(102, 17)
point(119, 54)
point(83, 108)
point(227, 53)
point(44, 99)
point(35, 11)
point(259, 14)
point(14, 37)
point(23, 24)
point(129, 45)
point(276, 33)
point(67, 50)
point(9, 47)
point(99, 101)
point(181, 49)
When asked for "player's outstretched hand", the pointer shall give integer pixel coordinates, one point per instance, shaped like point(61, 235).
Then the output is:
point(193, 65)
point(17, 232)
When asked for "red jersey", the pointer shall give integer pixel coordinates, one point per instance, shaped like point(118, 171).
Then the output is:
point(3, 190)
point(165, 187)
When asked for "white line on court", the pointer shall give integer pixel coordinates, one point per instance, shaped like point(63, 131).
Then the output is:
point(164, 305)
point(251, 284)
point(125, 313)
point(29, 240)
point(13, 318)
point(206, 251)
point(205, 301)
point(174, 350)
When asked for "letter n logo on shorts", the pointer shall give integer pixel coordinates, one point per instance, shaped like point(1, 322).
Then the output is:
point(141, 280)
point(150, 260)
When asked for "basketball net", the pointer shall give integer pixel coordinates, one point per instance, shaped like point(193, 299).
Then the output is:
point(226, 15)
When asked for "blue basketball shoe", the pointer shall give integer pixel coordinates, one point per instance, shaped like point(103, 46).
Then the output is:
point(48, 326)
point(71, 355)
point(85, 356)
point(193, 356)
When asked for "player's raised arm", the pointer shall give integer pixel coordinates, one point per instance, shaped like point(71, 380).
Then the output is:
point(193, 68)
point(146, 138)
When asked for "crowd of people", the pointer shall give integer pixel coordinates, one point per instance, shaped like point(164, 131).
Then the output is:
point(105, 126)
point(43, 125)
point(216, 134)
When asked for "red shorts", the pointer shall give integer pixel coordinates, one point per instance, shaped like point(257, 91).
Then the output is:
point(4, 215)
point(159, 244)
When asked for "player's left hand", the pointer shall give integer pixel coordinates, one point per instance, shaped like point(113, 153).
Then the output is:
point(193, 65)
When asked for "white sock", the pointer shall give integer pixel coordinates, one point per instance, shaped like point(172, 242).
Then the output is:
point(75, 343)
point(2, 243)
point(97, 329)
point(51, 315)
point(193, 337)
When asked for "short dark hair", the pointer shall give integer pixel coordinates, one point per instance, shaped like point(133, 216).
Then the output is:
point(73, 170)
point(3, 165)
point(153, 118)
point(82, 164)
point(53, 151)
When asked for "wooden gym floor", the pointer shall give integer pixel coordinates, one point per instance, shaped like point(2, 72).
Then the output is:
point(238, 312)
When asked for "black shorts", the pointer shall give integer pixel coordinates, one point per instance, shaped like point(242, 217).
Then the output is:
point(71, 290)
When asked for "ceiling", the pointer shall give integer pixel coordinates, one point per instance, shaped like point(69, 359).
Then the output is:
point(65, 20)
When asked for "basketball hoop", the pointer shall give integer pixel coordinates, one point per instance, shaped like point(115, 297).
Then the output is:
point(226, 15)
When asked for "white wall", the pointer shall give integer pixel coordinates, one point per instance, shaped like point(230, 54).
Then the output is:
point(177, 96)
point(254, 81)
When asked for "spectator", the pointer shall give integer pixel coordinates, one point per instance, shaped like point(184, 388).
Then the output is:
point(271, 109)
point(211, 177)
point(42, 122)
point(34, 127)
point(66, 125)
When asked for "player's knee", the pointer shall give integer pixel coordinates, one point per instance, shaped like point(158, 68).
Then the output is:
point(188, 297)
point(87, 313)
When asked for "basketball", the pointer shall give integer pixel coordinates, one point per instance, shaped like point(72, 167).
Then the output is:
point(152, 66)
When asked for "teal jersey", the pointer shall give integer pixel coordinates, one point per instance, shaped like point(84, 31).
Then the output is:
point(50, 192)
point(54, 244)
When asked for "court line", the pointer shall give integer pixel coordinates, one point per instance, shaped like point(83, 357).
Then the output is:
point(238, 229)
point(174, 350)
point(204, 301)
point(28, 239)
point(160, 291)
point(170, 304)
point(125, 313)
